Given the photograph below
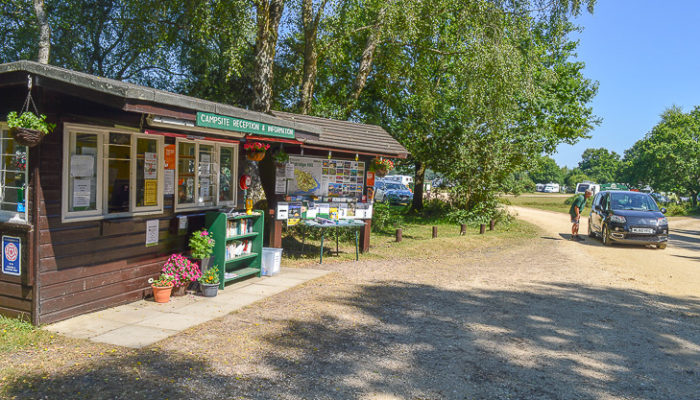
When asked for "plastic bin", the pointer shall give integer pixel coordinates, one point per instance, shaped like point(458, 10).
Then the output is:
point(271, 259)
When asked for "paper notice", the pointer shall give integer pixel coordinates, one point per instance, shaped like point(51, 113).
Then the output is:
point(169, 184)
point(282, 210)
point(289, 170)
point(82, 165)
point(150, 193)
point(81, 192)
point(150, 165)
point(182, 222)
point(152, 232)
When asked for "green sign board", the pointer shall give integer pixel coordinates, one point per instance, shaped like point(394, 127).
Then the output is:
point(215, 121)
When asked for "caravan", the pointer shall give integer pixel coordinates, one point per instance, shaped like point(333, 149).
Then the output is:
point(583, 186)
point(551, 188)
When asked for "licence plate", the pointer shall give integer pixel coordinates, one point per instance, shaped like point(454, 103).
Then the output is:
point(642, 230)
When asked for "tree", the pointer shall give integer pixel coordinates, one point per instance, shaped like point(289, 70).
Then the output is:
point(668, 157)
point(600, 164)
point(268, 14)
point(574, 177)
point(44, 32)
point(546, 171)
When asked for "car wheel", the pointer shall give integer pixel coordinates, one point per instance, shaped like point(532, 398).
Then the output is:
point(661, 246)
point(591, 234)
point(605, 236)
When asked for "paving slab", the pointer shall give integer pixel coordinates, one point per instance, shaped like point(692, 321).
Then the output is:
point(145, 322)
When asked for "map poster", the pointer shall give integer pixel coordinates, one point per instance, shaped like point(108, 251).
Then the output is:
point(326, 177)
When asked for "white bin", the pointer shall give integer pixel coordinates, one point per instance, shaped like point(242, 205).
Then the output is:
point(271, 259)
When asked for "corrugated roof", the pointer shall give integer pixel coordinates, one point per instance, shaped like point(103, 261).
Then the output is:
point(348, 135)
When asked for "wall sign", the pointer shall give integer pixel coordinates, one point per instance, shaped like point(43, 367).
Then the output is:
point(11, 255)
point(152, 232)
point(208, 120)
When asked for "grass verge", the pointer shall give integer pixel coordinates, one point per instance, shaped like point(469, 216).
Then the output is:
point(16, 335)
point(543, 203)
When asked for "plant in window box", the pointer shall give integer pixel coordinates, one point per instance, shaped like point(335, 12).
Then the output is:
point(281, 157)
point(209, 282)
point(255, 151)
point(182, 271)
point(202, 247)
point(162, 287)
point(381, 167)
point(28, 129)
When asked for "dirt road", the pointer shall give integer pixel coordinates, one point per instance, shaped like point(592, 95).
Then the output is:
point(674, 271)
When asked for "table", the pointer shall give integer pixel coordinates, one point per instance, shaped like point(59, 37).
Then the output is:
point(342, 224)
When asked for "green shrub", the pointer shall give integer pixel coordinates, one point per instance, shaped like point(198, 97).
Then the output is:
point(29, 120)
point(381, 217)
point(677, 209)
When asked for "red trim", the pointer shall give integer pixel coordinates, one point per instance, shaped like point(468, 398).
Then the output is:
point(183, 135)
point(273, 139)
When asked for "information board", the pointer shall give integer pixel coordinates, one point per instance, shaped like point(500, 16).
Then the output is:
point(326, 177)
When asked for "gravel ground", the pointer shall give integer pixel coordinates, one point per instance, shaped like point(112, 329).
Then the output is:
point(523, 319)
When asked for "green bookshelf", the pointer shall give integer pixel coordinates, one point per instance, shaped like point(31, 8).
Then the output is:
point(238, 244)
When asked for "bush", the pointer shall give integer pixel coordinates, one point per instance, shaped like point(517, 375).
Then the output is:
point(381, 217)
point(677, 209)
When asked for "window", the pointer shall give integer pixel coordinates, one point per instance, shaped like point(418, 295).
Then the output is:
point(206, 174)
point(109, 172)
point(13, 178)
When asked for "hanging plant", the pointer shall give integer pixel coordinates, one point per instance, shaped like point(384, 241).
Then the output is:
point(281, 157)
point(255, 151)
point(28, 129)
point(381, 167)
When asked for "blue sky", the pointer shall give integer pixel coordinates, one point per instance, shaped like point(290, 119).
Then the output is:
point(645, 55)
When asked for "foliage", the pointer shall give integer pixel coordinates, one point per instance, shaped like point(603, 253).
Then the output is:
point(201, 244)
point(545, 171)
point(383, 217)
point(281, 156)
point(601, 165)
point(162, 281)
point(381, 164)
point(210, 276)
point(181, 270)
point(29, 120)
point(574, 177)
point(256, 146)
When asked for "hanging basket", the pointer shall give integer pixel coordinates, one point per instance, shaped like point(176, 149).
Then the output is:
point(255, 155)
point(380, 172)
point(26, 137)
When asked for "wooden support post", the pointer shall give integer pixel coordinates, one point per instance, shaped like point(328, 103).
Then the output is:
point(434, 232)
point(492, 224)
point(482, 229)
point(399, 234)
point(463, 229)
point(365, 235)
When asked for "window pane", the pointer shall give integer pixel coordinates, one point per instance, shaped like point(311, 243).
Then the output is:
point(207, 185)
point(146, 172)
point(226, 183)
point(82, 182)
point(118, 166)
point(185, 173)
point(13, 174)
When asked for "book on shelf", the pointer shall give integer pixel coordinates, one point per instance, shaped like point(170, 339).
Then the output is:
point(239, 227)
point(238, 248)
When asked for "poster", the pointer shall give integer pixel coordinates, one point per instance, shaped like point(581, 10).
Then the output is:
point(324, 177)
point(11, 255)
point(289, 170)
point(150, 193)
point(150, 165)
point(152, 232)
point(182, 222)
point(81, 192)
point(170, 156)
point(82, 165)
point(169, 183)
point(282, 210)
point(280, 180)
point(294, 214)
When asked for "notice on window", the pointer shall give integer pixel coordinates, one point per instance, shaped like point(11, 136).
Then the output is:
point(152, 232)
point(82, 165)
point(170, 156)
point(204, 187)
point(169, 184)
point(81, 192)
point(150, 193)
point(150, 165)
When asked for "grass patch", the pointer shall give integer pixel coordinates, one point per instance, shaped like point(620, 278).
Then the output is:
point(17, 335)
point(543, 203)
point(417, 241)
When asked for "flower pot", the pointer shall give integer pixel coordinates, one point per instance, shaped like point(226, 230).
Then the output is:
point(179, 290)
point(26, 137)
point(209, 289)
point(255, 155)
point(204, 263)
point(161, 294)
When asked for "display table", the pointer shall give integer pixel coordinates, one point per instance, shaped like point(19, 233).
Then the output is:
point(342, 224)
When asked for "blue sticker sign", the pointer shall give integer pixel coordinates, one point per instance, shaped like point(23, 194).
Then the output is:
point(11, 255)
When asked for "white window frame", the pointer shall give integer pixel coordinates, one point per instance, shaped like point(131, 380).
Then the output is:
point(216, 165)
point(17, 217)
point(102, 169)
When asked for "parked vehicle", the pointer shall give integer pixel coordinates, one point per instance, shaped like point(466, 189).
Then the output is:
point(614, 186)
point(539, 187)
point(551, 188)
point(583, 186)
point(392, 193)
point(660, 198)
point(628, 217)
point(405, 180)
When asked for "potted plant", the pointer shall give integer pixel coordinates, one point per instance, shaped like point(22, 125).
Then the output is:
point(209, 282)
point(255, 151)
point(202, 247)
point(281, 157)
point(162, 287)
point(182, 271)
point(381, 166)
point(28, 129)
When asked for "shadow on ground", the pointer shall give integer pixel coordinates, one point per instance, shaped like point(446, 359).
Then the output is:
point(551, 341)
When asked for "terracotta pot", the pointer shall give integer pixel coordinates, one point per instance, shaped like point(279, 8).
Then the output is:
point(179, 290)
point(255, 155)
point(26, 137)
point(161, 294)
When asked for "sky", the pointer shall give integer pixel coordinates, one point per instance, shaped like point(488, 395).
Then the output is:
point(645, 55)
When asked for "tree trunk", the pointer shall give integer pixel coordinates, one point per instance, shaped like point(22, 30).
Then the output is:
point(44, 32)
point(268, 21)
point(694, 198)
point(418, 185)
point(363, 71)
point(310, 26)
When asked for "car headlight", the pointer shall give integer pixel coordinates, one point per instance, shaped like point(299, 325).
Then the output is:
point(662, 221)
point(617, 218)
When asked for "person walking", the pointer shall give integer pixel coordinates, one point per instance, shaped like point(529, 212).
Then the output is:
point(575, 212)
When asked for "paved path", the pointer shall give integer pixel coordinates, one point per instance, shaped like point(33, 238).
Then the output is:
point(145, 322)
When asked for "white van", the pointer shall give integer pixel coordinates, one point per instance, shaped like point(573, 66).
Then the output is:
point(406, 180)
point(583, 186)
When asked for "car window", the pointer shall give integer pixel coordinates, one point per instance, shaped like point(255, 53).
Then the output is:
point(596, 200)
point(633, 201)
point(395, 186)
